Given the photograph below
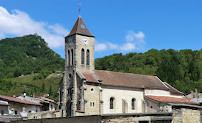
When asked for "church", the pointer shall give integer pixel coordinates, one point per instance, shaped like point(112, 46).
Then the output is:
point(86, 91)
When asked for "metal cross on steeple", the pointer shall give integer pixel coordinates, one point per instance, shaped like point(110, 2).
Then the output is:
point(79, 9)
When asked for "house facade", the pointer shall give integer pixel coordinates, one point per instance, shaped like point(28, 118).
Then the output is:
point(3, 108)
point(86, 91)
point(19, 107)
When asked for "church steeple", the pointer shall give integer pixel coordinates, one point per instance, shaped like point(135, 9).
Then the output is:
point(79, 58)
point(80, 28)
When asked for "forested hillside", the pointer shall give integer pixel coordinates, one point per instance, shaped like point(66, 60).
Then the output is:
point(182, 69)
point(27, 55)
point(25, 63)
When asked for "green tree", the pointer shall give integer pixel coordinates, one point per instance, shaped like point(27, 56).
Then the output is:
point(50, 90)
point(43, 87)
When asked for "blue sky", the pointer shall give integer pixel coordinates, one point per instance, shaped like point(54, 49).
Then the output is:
point(118, 26)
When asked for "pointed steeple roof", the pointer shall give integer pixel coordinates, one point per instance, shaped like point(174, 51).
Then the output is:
point(80, 28)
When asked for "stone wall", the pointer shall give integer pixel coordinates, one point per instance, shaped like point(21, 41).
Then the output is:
point(79, 45)
point(43, 114)
point(190, 116)
point(81, 119)
point(186, 116)
point(92, 100)
point(125, 118)
point(180, 116)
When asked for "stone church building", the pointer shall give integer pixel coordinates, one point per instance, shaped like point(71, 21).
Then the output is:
point(86, 91)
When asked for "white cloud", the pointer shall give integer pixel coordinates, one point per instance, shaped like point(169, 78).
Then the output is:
point(134, 41)
point(19, 23)
point(100, 46)
point(58, 29)
point(112, 46)
point(132, 36)
point(128, 47)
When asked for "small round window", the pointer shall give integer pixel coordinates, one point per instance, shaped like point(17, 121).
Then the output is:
point(82, 26)
point(92, 89)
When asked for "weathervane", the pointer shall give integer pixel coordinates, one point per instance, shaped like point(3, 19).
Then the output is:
point(79, 8)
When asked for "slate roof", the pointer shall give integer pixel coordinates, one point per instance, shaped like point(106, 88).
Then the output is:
point(13, 99)
point(173, 90)
point(126, 80)
point(77, 29)
point(167, 99)
point(197, 100)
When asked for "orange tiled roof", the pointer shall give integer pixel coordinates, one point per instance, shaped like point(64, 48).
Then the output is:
point(13, 99)
point(169, 99)
point(89, 77)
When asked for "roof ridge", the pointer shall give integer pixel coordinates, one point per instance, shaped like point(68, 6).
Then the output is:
point(126, 73)
point(172, 87)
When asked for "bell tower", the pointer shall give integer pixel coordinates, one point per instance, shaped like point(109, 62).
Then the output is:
point(79, 57)
point(79, 47)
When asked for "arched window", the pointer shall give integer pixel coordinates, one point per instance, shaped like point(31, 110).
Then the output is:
point(88, 57)
point(72, 57)
point(68, 58)
point(112, 103)
point(70, 77)
point(133, 104)
point(82, 56)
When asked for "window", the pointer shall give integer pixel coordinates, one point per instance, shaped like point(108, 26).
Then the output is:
point(70, 77)
point(16, 112)
point(112, 103)
point(133, 104)
point(88, 57)
point(68, 58)
point(92, 104)
point(82, 56)
point(2, 112)
point(72, 57)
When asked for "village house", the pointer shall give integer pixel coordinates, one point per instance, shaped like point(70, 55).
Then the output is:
point(18, 107)
point(26, 107)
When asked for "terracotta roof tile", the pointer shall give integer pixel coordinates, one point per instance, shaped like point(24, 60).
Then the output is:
point(173, 90)
point(130, 80)
point(89, 77)
point(80, 28)
point(169, 99)
point(13, 99)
